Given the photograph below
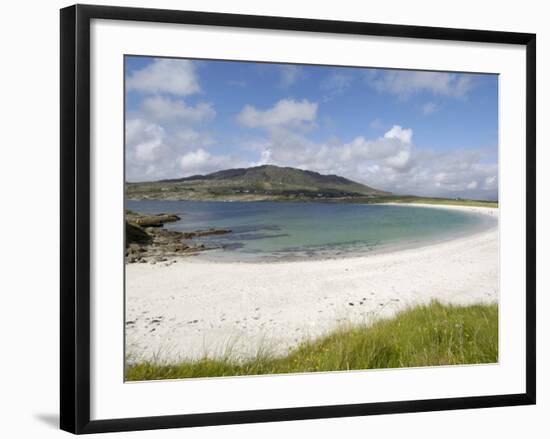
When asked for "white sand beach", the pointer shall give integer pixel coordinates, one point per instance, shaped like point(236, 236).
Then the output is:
point(192, 307)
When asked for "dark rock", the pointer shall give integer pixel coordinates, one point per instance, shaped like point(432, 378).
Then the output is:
point(135, 234)
point(198, 233)
point(177, 247)
point(154, 220)
point(148, 241)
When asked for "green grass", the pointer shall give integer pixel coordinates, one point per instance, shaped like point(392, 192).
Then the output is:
point(428, 335)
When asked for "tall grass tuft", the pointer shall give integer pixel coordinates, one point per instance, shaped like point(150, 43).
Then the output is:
point(426, 335)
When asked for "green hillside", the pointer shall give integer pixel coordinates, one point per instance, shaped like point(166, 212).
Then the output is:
point(266, 182)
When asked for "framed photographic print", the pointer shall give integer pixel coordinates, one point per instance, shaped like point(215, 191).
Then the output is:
point(268, 218)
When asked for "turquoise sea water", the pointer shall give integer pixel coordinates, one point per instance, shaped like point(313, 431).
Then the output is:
point(268, 231)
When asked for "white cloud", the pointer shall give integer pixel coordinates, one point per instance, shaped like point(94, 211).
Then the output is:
point(194, 160)
point(399, 160)
point(289, 75)
point(148, 150)
point(163, 139)
point(157, 151)
point(145, 148)
point(404, 83)
point(165, 109)
point(265, 157)
point(175, 76)
point(286, 112)
point(393, 148)
point(396, 132)
point(201, 161)
point(154, 152)
point(144, 139)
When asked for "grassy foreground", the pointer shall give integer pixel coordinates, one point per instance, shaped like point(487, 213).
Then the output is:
point(428, 335)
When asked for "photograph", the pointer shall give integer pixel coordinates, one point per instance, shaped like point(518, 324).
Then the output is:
point(295, 218)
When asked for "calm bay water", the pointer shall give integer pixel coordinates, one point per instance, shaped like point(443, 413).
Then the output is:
point(267, 231)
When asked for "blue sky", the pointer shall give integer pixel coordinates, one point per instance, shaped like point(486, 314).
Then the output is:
point(424, 133)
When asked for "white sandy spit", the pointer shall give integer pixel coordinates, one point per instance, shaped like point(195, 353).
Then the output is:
point(191, 308)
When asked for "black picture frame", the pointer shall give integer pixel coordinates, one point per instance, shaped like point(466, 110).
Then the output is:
point(75, 217)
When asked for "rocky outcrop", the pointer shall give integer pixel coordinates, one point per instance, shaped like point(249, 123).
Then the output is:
point(198, 233)
point(136, 235)
point(150, 220)
point(148, 241)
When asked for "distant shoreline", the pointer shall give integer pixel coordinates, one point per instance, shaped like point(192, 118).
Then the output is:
point(390, 199)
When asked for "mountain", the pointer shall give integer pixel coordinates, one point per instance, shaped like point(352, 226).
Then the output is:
point(267, 182)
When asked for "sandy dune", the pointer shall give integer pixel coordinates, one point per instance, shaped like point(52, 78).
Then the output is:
point(192, 307)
